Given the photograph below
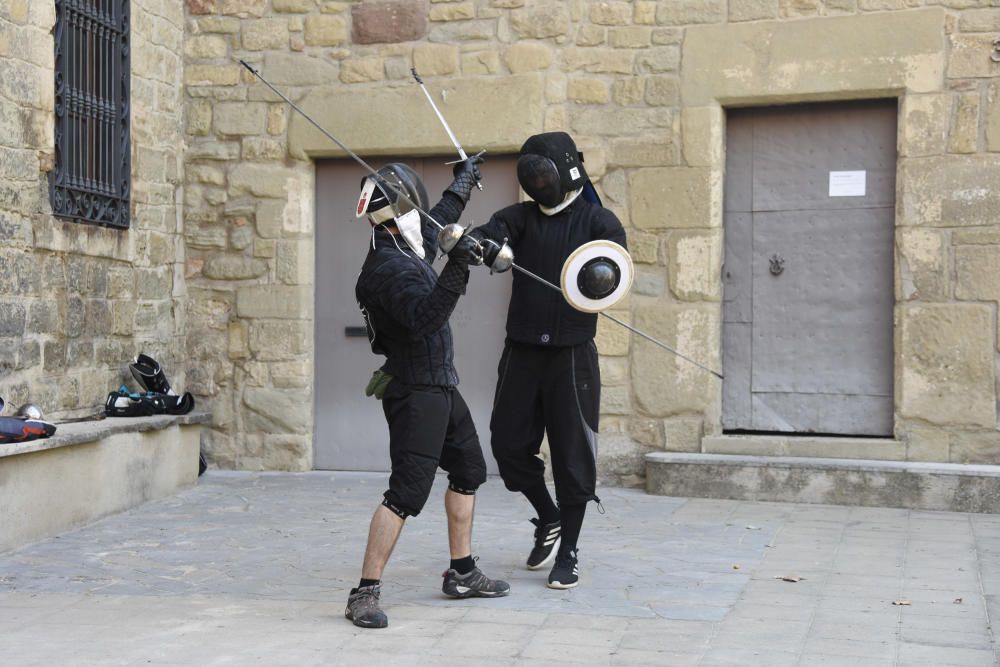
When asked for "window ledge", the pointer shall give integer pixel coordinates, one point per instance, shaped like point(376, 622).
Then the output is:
point(79, 433)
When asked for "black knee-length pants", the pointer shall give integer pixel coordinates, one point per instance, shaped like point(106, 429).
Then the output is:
point(429, 426)
point(554, 390)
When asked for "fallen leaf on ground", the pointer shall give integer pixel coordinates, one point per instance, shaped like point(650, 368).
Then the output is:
point(789, 577)
point(957, 601)
point(902, 603)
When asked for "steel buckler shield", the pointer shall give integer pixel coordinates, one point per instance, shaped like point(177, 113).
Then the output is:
point(596, 276)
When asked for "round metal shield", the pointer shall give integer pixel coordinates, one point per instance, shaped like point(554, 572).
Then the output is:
point(597, 276)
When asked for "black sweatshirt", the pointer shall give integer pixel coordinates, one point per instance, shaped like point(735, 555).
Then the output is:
point(539, 315)
point(406, 305)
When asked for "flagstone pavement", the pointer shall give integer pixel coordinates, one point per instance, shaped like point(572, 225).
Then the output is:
point(254, 569)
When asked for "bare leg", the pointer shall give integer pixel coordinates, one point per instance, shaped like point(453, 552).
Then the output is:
point(460, 509)
point(382, 535)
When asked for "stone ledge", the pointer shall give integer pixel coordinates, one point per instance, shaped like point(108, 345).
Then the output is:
point(78, 433)
point(883, 449)
point(948, 487)
point(92, 469)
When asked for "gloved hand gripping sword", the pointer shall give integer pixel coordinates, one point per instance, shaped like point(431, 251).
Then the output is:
point(502, 256)
point(451, 235)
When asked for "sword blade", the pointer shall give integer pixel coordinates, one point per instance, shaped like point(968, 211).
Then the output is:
point(342, 146)
point(451, 135)
point(614, 319)
point(447, 128)
point(402, 194)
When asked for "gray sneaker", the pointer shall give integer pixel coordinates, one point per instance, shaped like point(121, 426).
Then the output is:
point(363, 609)
point(473, 584)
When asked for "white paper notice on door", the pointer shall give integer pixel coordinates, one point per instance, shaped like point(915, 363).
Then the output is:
point(848, 183)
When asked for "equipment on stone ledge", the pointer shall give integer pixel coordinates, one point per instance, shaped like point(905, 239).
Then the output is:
point(403, 196)
point(23, 428)
point(158, 399)
point(30, 411)
point(126, 403)
point(148, 373)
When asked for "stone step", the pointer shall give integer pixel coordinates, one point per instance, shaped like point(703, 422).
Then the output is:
point(883, 449)
point(948, 487)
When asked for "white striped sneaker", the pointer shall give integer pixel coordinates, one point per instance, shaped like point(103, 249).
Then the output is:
point(546, 544)
point(565, 573)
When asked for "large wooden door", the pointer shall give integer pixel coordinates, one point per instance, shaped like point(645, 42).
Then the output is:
point(350, 431)
point(808, 273)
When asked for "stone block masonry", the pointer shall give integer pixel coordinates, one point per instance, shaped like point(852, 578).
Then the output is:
point(644, 87)
point(77, 302)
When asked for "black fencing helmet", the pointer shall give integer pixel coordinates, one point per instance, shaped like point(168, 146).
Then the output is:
point(380, 198)
point(549, 167)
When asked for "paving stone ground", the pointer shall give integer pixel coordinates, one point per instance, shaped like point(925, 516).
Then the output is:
point(254, 568)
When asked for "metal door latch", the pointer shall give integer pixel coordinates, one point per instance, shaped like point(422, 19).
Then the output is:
point(777, 265)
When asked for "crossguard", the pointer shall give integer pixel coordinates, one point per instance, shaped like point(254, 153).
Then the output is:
point(499, 260)
point(479, 183)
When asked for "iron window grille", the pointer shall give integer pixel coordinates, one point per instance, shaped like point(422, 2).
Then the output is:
point(92, 177)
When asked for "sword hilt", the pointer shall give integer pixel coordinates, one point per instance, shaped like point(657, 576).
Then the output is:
point(247, 65)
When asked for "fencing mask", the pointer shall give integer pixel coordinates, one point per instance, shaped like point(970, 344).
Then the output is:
point(550, 169)
point(381, 202)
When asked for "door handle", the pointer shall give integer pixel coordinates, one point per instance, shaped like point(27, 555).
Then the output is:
point(356, 332)
point(777, 264)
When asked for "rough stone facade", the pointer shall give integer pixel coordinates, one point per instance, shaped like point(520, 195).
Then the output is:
point(215, 275)
point(643, 86)
point(77, 301)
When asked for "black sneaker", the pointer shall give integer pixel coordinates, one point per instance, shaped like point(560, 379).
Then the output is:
point(565, 573)
point(363, 609)
point(473, 584)
point(546, 544)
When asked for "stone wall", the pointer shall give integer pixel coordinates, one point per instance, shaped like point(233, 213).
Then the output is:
point(642, 85)
point(78, 301)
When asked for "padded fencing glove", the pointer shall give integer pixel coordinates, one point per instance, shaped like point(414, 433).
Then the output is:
point(455, 274)
point(466, 176)
point(466, 252)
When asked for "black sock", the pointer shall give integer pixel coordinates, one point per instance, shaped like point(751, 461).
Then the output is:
point(463, 565)
point(369, 582)
point(572, 522)
point(538, 496)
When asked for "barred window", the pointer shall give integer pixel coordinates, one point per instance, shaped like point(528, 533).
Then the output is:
point(92, 177)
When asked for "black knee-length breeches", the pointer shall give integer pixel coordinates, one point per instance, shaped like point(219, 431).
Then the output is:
point(429, 427)
point(555, 390)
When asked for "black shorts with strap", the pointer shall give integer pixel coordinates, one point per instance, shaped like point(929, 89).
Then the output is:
point(429, 427)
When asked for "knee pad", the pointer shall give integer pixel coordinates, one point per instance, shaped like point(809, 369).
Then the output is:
point(462, 490)
point(401, 512)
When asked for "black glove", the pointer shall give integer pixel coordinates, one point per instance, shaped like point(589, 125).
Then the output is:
point(490, 251)
point(466, 176)
point(466, 252)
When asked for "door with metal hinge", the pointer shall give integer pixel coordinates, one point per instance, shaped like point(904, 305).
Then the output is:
point(350, 431)
point(808, 272)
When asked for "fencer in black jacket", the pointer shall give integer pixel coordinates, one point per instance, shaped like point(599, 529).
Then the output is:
point(406, 307)
point(549, 381)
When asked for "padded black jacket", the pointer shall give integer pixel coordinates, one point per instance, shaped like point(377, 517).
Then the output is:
point(406, 305)
point(539, 315)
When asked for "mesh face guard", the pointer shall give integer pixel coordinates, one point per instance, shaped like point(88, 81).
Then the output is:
point(380, 199)
point(540, 179)
point(561, 149)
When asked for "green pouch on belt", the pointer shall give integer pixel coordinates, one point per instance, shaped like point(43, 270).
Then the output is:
point(376, 386)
